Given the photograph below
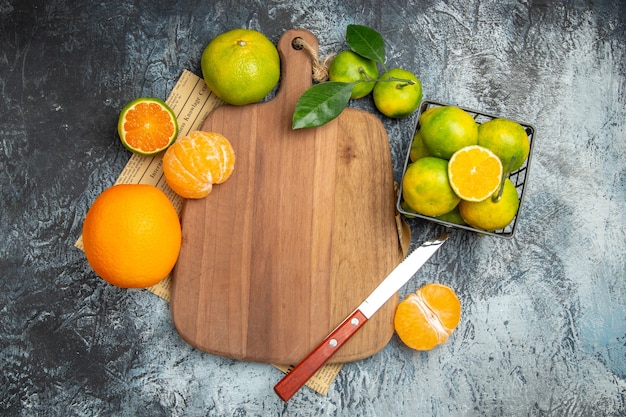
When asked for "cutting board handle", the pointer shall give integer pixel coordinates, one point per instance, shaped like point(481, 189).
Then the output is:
point(296, 65)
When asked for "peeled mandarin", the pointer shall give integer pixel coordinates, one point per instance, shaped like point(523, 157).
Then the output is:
point(427, 318)
point(197, 161)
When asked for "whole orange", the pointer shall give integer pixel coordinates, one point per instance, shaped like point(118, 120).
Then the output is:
point(241, 66)
point(507, 139)
point(492, 215)
point(132, 235)
point(426, 187)
point(397, 93)
point(348, 67)
point(418, 149)
point(447, 129)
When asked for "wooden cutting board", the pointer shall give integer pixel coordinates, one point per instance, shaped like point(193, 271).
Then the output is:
point(274, 258)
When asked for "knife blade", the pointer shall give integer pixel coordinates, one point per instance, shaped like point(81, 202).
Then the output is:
point(300, 374)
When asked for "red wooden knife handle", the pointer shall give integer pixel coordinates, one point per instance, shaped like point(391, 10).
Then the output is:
point(298, 376)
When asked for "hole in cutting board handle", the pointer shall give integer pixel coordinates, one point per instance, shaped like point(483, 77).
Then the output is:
point(297, 43)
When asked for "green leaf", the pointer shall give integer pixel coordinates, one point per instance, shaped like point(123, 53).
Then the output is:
point(366, 42)
point(321, 103)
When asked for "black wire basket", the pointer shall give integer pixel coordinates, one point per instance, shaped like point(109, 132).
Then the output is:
point(518, 177)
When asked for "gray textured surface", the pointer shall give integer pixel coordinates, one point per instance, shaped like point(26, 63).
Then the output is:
point(544, 321)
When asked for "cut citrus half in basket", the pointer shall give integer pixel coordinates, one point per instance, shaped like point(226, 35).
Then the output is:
point(475, 173)
point(427, 318)
point(147, 126)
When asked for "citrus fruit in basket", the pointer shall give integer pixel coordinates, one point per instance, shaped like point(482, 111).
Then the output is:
point(407, 209)
point(348, 67)
point(490, 215)
point(418, 149)
point(453, 216)
point(475, 173)
point(397, 98)
point(427, 318)
point(241, 66)
point(507, 139)
point(132, 235)
point(197, 161)
point(147, 126)
point(426, 188)
point(447, 129)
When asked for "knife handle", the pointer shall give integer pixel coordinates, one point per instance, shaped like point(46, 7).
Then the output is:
point(298, 376)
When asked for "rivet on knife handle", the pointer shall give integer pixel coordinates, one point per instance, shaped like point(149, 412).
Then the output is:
point(299, 375)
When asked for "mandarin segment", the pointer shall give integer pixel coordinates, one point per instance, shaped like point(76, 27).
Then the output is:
point(227, 152)
point(444, 301)
point(427, 318)
point(412, 326)
point(180, 176)
point(197, 161)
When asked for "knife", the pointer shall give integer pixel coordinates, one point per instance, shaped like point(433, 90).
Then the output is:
point(300, 374)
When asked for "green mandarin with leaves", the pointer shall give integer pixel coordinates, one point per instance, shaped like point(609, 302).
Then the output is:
point(323, 102)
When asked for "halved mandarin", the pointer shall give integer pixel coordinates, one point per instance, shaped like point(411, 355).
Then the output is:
point(475, 173)
point(147, 126)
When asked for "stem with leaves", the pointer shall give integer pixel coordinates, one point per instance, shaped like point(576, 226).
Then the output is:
point(323, 102)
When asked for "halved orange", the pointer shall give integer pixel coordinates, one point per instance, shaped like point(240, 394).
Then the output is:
point(147, 126)
point(475, 173)
point(427, 318)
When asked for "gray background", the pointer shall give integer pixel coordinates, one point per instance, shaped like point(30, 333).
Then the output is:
point(543, 330)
